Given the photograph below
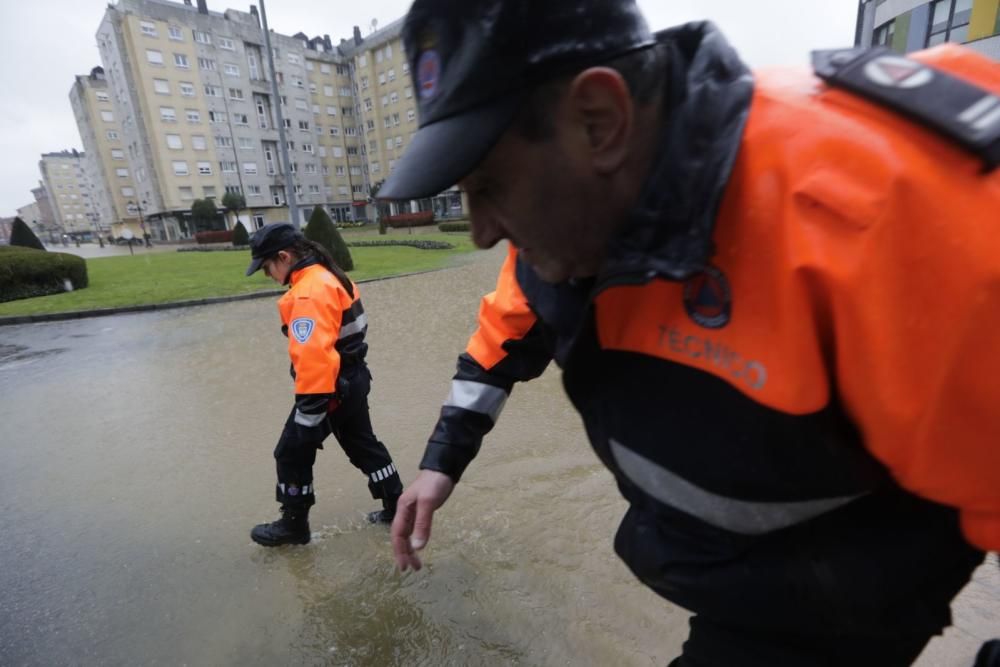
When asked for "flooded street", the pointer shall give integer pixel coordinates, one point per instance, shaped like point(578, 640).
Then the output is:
point(136, 456)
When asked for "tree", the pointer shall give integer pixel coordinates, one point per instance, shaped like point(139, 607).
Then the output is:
point(234, 202)
point(21, 234)
point(322, 230)
point(204, 214)
point(240, 236)
point(379, 213)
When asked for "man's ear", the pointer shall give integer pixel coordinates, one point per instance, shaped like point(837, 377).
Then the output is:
point(601, 104)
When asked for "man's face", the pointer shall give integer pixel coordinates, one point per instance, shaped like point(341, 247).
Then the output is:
point(544, 198)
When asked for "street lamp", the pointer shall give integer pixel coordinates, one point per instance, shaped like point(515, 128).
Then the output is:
point(142, 222)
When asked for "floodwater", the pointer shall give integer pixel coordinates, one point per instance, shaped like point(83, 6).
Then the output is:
point(136, 456)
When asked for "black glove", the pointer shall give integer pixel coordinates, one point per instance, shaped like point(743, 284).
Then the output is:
point(989, 654)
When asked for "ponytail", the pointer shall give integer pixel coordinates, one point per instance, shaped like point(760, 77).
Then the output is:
point(307, 249)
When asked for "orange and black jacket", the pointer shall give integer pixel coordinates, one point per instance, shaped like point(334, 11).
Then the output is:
point(803, 313)
point(326, 325)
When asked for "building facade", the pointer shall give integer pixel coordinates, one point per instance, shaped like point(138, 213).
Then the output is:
point(911, 25)
point(194, 96)
point(69, 193)
point(45, 227)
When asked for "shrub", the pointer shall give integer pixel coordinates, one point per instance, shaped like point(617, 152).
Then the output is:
point(27, 272)
point(410, 219)
point(220, 236)
point(454, 226)
point(21, 235)
point(419, 244)
point(240, 236)
point(322, 230)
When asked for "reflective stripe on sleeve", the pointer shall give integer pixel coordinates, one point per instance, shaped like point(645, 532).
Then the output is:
point(308, 419)
point(357, 326)
point(739, 516)
point(477, 397)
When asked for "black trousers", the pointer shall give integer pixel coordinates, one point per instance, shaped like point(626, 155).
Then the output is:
point(351, 425)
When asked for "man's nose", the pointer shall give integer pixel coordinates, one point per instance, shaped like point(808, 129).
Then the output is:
point(486, 231)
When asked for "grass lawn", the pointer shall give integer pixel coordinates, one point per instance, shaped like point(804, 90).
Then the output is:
point(178, 276)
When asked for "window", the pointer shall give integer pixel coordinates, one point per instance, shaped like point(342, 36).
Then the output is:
point(298, 82)
point(236, 94)
point(375, 167)
point(342, 190)
point(175, 33)
point(205, 168)
point(193, 115)
point(226, 43)
point(117, 154)
point(378, 56)
point(368, 104)
point(216, 116)
point(370, 124)
point(395, 119)
point(352, 150)
point(399, 141)
point(253, 190)
point(181, 60)
point(187, 88)
point(388, 50)
point(202, 37)
point(294, 59)
point(309, 65)
point(408, 92)
point(186, 192)
point(388, 143)
point(121, 172)
point(127, 191)
point(148, 28)
point(322, 151)
point(381, 79)
point(338, 151)
point(246, 143)
point(385, 100)
point(340, 170)
point(310, 168)
point(357, 189)
point(324, 69)
point(168, 115)
point(154, 57)
point(161, 86)
point(393, 97)
point(351, 131)
point(102, 96)
point(391, 75)
point(387, 121)
point(213, 91)
point(314, 189)
point(364, 83)
point(411, 115)
point(208, 191)
point(315, 108)
point(363, 60)
point(241, 119)
point(308, 148)
point(180, 168)
point(287, 123)
point(312, 87)
point(298, 188)
point(107, 116)
point(207, 64)
point(301, 105)
point(198, 142)
point(334, 131)
point(231, 69)
point(304, 125)
point(228, 166)
point(223, 142)
point(174, 142)
point(328, 91)
point(331, 111)
point(252, 63)
point(111, 134)
point(345, 92)
point(406, 68)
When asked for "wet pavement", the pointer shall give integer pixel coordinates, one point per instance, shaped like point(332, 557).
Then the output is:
point(136, 455)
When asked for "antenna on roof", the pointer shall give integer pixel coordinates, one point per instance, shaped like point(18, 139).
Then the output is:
point(374, 24)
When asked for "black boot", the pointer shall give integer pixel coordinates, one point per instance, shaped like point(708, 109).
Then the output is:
point(386, 514)
point(291, 528)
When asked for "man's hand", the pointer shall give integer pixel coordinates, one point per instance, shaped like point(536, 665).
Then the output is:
point(412, 526)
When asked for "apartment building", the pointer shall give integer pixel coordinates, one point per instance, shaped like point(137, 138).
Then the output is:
point(45, 226)
point(198, 118)
point(70, 193)
point(911, 25)
point(114, 206)
point(388, 112)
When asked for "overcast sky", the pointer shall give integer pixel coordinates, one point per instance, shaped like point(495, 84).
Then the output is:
point(48, 42)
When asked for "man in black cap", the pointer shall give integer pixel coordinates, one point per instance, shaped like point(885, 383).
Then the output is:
point(325, 323)
point(723, 268)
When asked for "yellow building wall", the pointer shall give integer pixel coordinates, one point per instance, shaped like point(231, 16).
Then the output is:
point(983, 22)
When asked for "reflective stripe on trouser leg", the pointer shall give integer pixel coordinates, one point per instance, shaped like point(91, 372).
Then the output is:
point(385, 483)
point(292, 495)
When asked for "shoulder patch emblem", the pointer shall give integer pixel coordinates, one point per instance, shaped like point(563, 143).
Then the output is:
point(302, 328)
point(708, 299)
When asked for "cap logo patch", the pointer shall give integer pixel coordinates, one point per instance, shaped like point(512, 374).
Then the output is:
point(302, 328)
point(428, 73)
point(897, 72)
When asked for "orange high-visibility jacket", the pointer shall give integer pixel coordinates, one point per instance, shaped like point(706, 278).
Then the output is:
point(839, 338)
point(325, 325)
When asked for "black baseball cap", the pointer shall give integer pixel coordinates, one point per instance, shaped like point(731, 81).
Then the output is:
point(472, 61)
point(267, 241)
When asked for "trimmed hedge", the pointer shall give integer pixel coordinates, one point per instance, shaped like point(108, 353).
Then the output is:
point(240, 235)
point(219, 236)
point(453, 227)
point(321, 230)
point(26, 273)
point(410, 219)
point(420, 245)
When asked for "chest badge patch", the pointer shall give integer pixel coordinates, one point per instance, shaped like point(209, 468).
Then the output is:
point(302, 328)
point(707, 298)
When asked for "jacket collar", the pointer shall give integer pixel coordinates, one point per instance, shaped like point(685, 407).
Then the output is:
point(299, 268)
point(707, 101)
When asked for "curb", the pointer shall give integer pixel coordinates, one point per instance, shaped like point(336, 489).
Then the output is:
point(169, 305)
